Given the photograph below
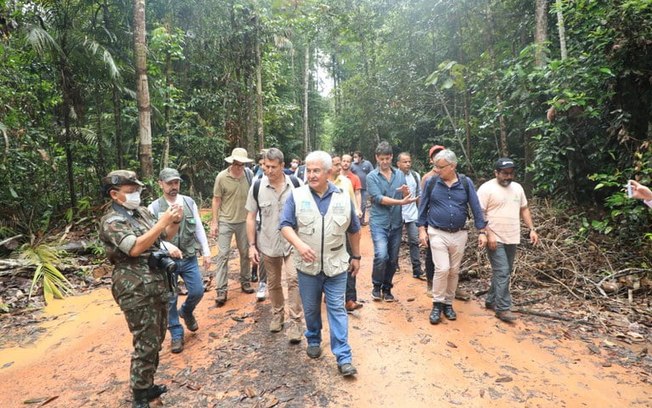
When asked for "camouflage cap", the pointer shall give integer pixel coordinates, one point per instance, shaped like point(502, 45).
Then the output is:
point(121, 178)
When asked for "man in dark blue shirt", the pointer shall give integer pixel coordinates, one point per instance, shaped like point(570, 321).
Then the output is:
point(442, 217)
point(361, 168)
point(388, 193)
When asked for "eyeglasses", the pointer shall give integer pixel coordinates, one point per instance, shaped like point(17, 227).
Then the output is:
point(443, 167)
point(237, 164)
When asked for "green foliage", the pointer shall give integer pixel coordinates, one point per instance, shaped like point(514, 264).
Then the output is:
point(45, 259)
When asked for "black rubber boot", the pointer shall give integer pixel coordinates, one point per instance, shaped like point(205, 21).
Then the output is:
point(140, 399)
point(156, 391)
point(435, 314)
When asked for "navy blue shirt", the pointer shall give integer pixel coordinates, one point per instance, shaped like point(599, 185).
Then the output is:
point(385, 216)
point(446, 207)
point(289, 215)
point(362, 170)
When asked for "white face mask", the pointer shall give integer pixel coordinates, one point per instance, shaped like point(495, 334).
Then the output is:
point(132, 200)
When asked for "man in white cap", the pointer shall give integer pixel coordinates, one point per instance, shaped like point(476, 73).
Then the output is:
point(229, 218)
point(190, 239)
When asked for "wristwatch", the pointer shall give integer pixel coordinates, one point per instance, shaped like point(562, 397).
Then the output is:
point(357, 258)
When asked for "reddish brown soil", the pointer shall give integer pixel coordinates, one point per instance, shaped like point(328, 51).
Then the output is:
point(82, 358)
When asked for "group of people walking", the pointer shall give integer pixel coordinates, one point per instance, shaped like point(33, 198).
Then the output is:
point(303, 226)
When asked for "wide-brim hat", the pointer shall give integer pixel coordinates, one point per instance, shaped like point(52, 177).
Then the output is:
point(240, 155)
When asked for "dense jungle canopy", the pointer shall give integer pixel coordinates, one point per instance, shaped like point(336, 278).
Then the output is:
point(562, 86)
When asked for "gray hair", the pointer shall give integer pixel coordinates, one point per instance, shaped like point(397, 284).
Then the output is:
point(407, 154)
point(274, 154)
point(447, 155)
point(384, 148)
point(322, 157)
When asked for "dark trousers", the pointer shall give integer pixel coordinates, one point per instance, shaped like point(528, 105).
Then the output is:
point(430, 265)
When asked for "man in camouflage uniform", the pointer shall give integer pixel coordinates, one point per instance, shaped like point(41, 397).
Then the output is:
point(130, 234)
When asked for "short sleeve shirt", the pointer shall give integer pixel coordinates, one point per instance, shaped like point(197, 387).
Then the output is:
point(502, 208)
point(233, 192)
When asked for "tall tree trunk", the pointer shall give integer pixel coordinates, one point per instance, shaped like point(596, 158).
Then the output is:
point(504, 152)
point(541, 32)
point(165, 160)
point(101, 160)
point(118, 126)
point(562, 30)
point(142, 91)
point(259, 95)
point(306, 87)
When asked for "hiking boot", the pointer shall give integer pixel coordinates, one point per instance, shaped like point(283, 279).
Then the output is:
point(140, 399)
point(313, 351)
point(489, 305)
point(261, 293)
point(419, 275)
point(387, 296)
point(506, 316)
point(375, 293)
point(352, 305)
point(347, 370)
point(294, 333)
point(276, 325)
point(156, 391)
point(177, 346)
point(435, 314)
point(449, 312)
point(191, 322)
point(246, 287)
point(220, 300)
point(461, 294)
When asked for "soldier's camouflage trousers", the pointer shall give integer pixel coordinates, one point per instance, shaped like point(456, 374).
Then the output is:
point(147, 326)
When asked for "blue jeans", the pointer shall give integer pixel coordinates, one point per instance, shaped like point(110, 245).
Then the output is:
point(413, 242)
point(311, 288)
point(502, 260)
point(188, 269)
point(386, 245)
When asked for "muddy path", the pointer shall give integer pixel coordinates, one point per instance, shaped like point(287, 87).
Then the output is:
point(81, 358)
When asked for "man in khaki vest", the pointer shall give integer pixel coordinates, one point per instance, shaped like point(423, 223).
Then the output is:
point(315, 219)
point(266, 199)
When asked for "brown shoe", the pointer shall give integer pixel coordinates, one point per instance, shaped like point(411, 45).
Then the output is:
point(461, 294)
point(220, 300)
point(506, 316)
point(246, 287)
point(276, 325)
point(352, 305)
point(294, 333)
point(177, 346)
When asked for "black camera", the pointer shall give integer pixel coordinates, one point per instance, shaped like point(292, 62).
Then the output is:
point(160, 260)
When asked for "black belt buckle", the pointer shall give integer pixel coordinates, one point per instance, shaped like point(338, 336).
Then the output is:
point(450, 230)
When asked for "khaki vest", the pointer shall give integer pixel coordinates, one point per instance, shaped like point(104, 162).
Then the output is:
point(326, 235)
point(185, 238)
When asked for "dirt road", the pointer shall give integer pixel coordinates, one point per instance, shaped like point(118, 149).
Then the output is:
point(82, 357)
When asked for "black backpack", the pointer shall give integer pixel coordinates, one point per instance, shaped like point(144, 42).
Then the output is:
point(430, 184)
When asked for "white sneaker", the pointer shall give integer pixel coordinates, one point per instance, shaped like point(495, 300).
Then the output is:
point(261, 294)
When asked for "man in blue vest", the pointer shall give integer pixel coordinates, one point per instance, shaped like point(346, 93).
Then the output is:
point(190, 239)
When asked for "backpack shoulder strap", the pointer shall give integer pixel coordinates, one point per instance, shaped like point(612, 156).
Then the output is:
point(417, 180)
point(249, 175)
point(257, 190)
point(295, 181)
